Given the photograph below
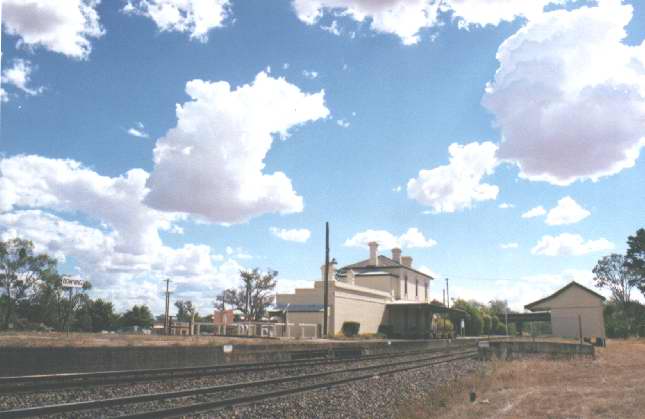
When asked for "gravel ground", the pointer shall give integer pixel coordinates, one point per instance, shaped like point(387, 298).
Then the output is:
point(109, 391)
point(376, 398)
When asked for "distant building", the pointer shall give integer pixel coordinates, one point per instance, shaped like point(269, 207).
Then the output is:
point(572, 308)
point(378, 291)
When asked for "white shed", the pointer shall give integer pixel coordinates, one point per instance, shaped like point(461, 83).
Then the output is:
point(572, 308)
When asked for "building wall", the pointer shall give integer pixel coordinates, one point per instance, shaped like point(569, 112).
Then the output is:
point(366, 309)
point(305, 318)
point(565, 309)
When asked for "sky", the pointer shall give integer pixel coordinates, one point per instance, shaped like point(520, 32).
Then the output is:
point(496, 142)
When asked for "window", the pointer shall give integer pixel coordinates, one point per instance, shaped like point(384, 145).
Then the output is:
point(427, 295)
point(416, 290)
point(406, 285)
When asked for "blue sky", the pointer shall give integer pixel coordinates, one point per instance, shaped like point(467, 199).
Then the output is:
point(111, 165)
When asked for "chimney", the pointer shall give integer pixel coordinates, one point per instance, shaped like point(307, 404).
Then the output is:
point(373, 253)
point(406, 261)
point(396, 255)
point(332, 272)
point(350, 277)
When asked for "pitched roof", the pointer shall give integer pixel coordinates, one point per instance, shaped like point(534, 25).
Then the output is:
point(384, 262)
point(560, 291)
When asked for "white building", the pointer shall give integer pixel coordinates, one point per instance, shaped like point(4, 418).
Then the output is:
point(376, 291)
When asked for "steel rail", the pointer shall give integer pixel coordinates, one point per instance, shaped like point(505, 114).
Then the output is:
point(198, 407)
point(119, 401)
point(25, 383)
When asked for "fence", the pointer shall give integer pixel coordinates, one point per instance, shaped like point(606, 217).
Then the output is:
point(266, 329)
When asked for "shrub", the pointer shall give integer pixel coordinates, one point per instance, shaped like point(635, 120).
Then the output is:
point(350, 328)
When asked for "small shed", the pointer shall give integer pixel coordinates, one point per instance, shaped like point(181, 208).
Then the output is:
point(573, 308)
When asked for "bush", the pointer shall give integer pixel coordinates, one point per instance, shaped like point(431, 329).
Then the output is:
point(350, 329)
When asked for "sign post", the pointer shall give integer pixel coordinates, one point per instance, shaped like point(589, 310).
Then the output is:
point(70, 284)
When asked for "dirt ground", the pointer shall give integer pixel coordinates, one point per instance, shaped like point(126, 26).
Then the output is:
point(611, 386)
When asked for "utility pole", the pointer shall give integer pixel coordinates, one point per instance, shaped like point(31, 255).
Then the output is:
point(326, 285)
point(444, 311)
point(166, 318)
point(447, 297)
point(506, 315)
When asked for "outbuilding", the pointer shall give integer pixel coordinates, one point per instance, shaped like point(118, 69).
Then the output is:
point(576, 311)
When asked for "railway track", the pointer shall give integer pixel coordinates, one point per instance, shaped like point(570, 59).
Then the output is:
point(219, 396)
point(28, 383)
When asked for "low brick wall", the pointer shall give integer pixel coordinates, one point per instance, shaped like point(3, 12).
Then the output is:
point(515, 349)
point(35, 360)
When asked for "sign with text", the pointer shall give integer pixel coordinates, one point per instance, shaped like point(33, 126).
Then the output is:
point(72, 282)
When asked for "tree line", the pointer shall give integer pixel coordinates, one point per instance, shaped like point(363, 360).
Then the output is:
point(620, 275)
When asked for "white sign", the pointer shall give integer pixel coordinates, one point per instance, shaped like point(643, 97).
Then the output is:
point(483, 344)
point(228, 349)
point(72, 282)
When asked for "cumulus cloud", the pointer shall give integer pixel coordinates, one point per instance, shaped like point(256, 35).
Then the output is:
point(65, 27)
point(457, 186)
point(568, 211)
point(413, 238)
point(19, 76)
point(138, 131)
point(506, 205)
point(196, 17)
point(569, 95)
point(300, 235)
point(406, 18)
point(534, 212)
point(567, 244)
point(211, 164)
point(511, 245)
point(118, 246)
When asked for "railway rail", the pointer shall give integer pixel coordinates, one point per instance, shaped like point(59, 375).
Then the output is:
point(253, 391)
point(27, 383)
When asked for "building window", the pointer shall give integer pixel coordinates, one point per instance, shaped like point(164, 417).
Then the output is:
point(416, 289)
point(427, 284)
point(406, 285)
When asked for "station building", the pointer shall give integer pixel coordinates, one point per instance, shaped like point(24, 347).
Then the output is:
point(378, 291)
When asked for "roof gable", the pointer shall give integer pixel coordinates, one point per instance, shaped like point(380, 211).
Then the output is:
point(571, 284)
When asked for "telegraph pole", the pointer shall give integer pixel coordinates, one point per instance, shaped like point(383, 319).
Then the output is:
point(447, 297)
point(166, 318)
point(326, 284)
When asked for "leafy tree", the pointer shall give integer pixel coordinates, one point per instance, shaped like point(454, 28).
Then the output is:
point(487, 323)
point(612, 273)
point(137, 316)
point(635, 258)
point(185, 310)
point(226, 299)
point(103, 315)
point(20, 269)
point(55, 301)
point(254, 295)
point(474, 324)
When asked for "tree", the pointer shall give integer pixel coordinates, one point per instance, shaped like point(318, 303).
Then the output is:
point(20, 269)
point(185, 310)
point(60, 303)
point(474, 323)
point(137, 316)
point(611, 272)
point(103, 315)
point(635, 258)
point(227, 297)
point(254, 295)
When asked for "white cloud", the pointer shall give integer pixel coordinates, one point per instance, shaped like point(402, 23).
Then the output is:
point(406, 18)
point(4, 96)
point(397, 188)
point(211, 164)
point(506, 205)
point(19, 76)
point(343, 123)
point(138, 131)
point(118, 248)
point(534, 212)
point(567, 244)
point(569, 95)
point(300, 235)
point(511, 245)
point(310, 74)
point(64, 27)
point(403, 18)
point(457, 185)
point(197, 17)
point(567, 211)
point(413, 238)
point(428, 271)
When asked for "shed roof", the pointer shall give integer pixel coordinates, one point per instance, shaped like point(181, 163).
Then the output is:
point(299, 308)
point(560, 291)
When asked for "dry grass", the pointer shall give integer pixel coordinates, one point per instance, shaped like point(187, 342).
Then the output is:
point(611, 386)
point(55, 339)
